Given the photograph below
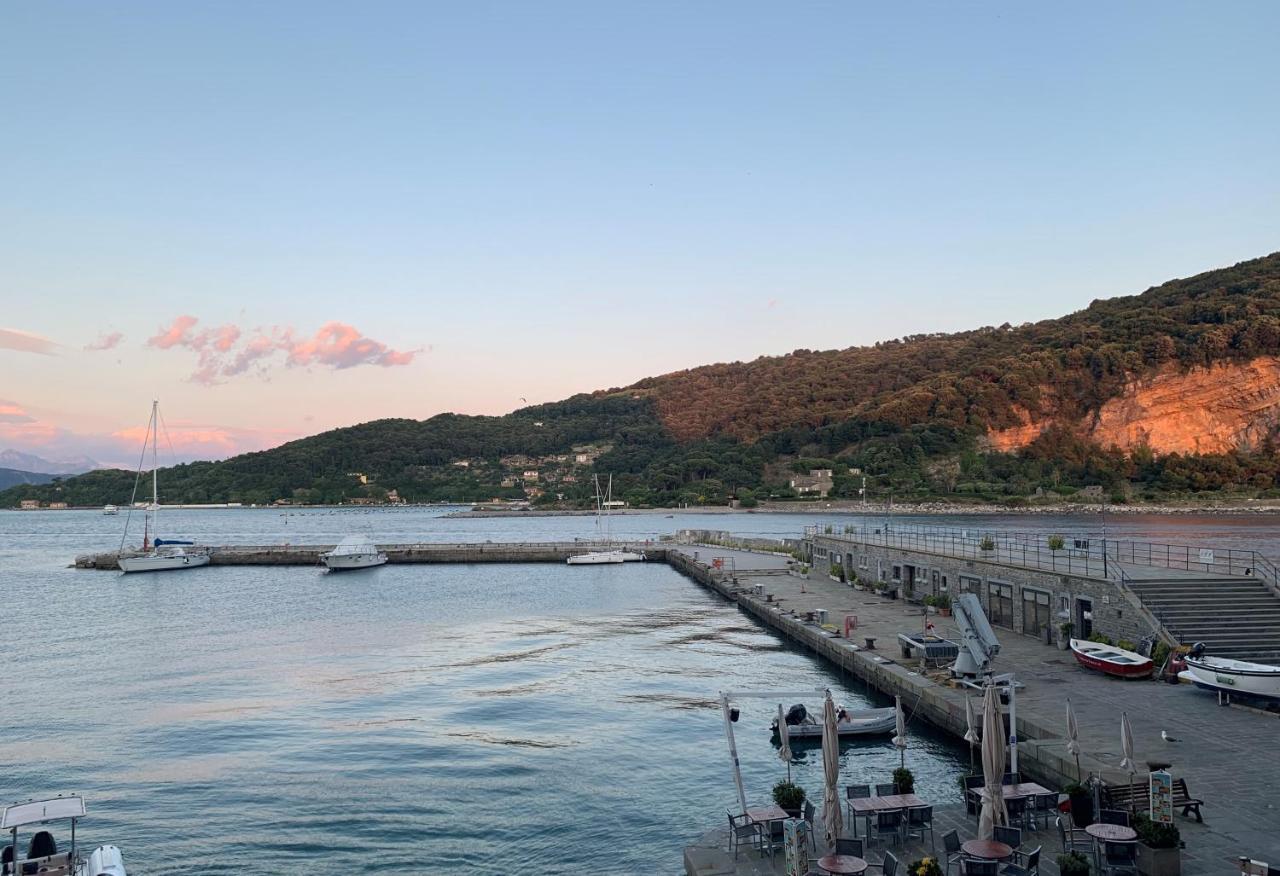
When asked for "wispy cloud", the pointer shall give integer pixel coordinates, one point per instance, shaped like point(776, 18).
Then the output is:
point(106, 341)
point(225, 352)
point(26, 342)
point(11, 412)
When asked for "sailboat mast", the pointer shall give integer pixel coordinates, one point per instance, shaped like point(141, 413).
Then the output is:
point(155, 486)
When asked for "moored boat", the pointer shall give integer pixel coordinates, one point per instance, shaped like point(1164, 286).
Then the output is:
point(353, 552)
point(42, 855)
point(866, 722)
point(1111, 660)
point(1236, 677)
point(110, 510)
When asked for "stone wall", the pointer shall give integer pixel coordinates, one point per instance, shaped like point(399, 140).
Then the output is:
point(1014, 598)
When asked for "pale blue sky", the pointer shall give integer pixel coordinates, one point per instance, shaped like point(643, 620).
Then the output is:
point(548, 198)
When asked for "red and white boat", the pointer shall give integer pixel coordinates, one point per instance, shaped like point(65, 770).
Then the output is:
point(1111, 660)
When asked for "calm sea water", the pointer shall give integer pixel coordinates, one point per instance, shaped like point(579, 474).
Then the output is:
point(475, 719)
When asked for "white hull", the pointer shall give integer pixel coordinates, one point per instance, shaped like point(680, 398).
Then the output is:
point(348, 562)
point(105, 861)
point(154, 562)
point(1234, 676)
point(110, 510)
point(869, 723)
point(597, 558)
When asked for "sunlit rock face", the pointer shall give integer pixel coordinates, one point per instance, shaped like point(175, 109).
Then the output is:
point(1206, 410)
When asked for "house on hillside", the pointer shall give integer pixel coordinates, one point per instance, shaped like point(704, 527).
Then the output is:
point(818, 482)
point(29, 505)
point(530, 474)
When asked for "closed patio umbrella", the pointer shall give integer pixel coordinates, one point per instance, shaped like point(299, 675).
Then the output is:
point(831, 818)
point(971, 735)
point(1073, 737)
point(1126, 748)
point(993, 811)
point(900, 733)
point(784, 739)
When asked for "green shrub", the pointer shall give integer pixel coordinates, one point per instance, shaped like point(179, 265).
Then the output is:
point(986, 544)
point(1101, 639)
point(1126, 645)
point(1073, 864)
point(788, 795)
point(905, 780)
point(1057, 542)
point(1155, 835)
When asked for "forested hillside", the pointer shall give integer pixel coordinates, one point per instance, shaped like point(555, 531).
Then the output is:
point(923, 416)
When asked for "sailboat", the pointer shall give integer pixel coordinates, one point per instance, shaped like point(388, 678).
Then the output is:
point(604, 500)
point(157, 554)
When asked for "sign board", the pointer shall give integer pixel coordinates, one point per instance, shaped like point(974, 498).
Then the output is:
point(1161, 797)
point(1206, 555)
point(795, 841)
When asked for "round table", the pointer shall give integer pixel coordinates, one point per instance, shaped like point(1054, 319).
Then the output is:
point(842, 864)
point(1116, 833)
point(988, 850)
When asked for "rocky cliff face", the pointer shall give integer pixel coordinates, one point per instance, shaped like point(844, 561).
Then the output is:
point(1207, 410)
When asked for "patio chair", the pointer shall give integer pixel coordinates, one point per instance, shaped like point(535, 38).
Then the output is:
point(920, 821)
point(1044, 807)
point(1010, 779)
point(1017, 809)
point(855, 792)
point(889, 866)
point(773, 836)
point(848, 846)
point(1114, 816)
point(1073, 839)
point(1118, 858)
point(1030, 868)
point(742, 829)
point(888, 826)
point(886, 790)
point(809, 813)
point(979, 867)
point(1010, 836)
point(951, 850)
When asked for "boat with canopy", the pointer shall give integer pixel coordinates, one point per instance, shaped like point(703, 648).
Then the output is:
point(42, 855)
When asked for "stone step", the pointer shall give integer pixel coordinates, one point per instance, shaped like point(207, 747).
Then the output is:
point(1251, 602)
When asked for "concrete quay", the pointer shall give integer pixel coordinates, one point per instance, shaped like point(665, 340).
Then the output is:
point(309, 554)
point(1226, 755)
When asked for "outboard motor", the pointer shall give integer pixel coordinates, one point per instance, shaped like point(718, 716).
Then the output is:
point(1197, 650)
point(42, 845)
point(796, 715)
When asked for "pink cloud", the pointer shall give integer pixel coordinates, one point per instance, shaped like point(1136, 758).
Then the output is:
point(175, 335)
point(26, 342)
point(222, 353)
point(13, 413)
point(106, 341)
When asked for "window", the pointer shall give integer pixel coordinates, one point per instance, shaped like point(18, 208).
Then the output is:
point(1035, 611)
point(944, 584)
point(897, 573)
point(969, 584)
point(1000, 604)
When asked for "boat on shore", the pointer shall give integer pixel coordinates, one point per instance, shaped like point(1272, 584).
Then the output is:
point(110, 510)
point(801, 724)
point(160, 555)
point(1237, 677)
point(353, 552)
point(1111, 660)
point(42, 851)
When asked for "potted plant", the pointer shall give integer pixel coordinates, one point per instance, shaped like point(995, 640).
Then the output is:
point(789, 797)
point(1073, 864)
point(1081, 804)
point(930, 605)
point(1159, 847)
point(904, 780)
point(1057, 543)
point(986, 544)
point(943, 603)
point(925, 867)
point(1065, 629)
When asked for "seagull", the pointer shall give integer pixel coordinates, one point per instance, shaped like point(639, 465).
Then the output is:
point(1164, 734)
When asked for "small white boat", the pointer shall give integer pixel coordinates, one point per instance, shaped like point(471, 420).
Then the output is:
point(596, 558)
point(607, 556)
point(42, 855)
point(866, 722)
point(1238, 677)
point(353, 552)
point(110, 510)
point(162, 558)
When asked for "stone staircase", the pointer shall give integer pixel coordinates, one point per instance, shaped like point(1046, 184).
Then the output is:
point(1235, 617)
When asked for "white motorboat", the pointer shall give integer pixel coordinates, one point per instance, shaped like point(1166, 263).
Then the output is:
point(42, 855)
point(161, 555)
point(866, 722)
point(1237, 677)
point(353, 552)
point(596, 558)
point(110, 510)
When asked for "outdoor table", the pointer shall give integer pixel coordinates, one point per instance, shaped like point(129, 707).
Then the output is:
point(987, 850)
point(865, 807)
point(1024, 789)
point(842, 864)
point(767, 814)
point(1116, 833)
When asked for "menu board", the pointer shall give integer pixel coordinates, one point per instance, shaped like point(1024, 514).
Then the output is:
point(1161, 797)
point(795, 840)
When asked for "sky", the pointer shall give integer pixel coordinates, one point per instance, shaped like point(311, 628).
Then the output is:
point(284, 217)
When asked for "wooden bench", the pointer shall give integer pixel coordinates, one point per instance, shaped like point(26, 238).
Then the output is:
point(1137, 797)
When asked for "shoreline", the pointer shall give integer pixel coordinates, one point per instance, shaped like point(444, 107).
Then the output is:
point(937, 509)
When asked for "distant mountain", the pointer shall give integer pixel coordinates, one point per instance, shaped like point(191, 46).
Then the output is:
point(10, 477)
point(1171, 392)
point(31, 463)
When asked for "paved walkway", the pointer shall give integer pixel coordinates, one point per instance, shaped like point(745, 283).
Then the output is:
point(1227, 755)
